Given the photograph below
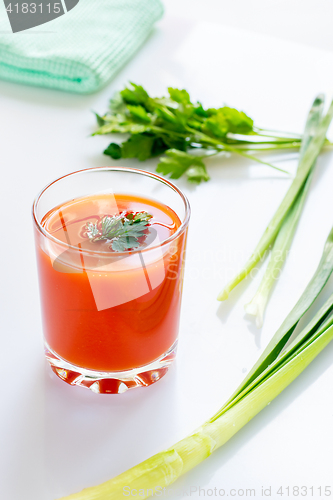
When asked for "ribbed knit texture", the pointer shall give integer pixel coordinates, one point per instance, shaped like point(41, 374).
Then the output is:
point(81, 50)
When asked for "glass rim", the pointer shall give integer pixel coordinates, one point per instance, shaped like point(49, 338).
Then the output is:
point(146, 173)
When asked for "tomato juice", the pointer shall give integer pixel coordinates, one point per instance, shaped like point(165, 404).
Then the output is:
point(102, 310)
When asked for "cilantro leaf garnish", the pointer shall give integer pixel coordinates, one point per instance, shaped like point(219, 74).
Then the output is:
point(176, 126)
point(123, 230)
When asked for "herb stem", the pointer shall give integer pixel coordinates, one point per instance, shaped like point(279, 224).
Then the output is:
point(276, 133)
point(263, 148)
point(254, 158)
point(225, 147)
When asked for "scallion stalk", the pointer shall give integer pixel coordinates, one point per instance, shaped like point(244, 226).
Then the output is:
point(283, 334)
point(285, 236)
point(271, 232)
point(273, 373)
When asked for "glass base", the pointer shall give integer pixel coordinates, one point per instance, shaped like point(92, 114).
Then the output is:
point(111, 382)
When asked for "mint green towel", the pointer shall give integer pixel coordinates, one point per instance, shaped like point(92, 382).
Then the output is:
point(81, 50)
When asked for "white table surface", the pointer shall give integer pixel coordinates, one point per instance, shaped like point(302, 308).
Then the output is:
point(56, 439)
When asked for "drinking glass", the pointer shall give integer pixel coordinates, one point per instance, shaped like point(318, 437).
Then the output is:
point(110, 319)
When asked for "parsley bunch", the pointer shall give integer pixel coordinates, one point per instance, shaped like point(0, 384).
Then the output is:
point(184, 131)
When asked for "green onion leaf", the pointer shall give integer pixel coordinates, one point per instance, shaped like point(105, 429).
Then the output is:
point(276, 222)
point(285, 236)
point(271, 375)
point(281, 337)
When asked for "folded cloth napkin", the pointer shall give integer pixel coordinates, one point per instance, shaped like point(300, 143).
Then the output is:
point(80, 50)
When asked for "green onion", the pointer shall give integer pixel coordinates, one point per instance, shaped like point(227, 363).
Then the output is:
point(281, 337)
point(285, 236)
point(271, 232)
point(275, 370)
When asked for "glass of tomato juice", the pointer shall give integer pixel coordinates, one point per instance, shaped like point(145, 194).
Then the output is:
point(110, 246)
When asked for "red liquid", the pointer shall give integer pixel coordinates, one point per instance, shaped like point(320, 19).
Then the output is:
point(102, 319)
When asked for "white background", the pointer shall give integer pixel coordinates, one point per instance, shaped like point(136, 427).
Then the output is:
point(269, 58)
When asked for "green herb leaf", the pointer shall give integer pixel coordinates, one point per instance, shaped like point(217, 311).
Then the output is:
point(134, 94)
point(181, 96)
point(113, 150)
point(176, 163)
point(197, 174)
point(125, 243)
point(139, 112)
point(199, 110)
point(160, 146)
point(100, 120)
point(238, 122)
point(216, 125)
point(92, 230)
point(228, 120)
point(138, 146)
point(121, 127)
point(174, 143)
point(123, 230)
point(141, 146)
point(117, 104)
point(166, 115)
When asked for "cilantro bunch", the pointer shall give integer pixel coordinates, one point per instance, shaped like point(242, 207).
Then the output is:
point(184, 132)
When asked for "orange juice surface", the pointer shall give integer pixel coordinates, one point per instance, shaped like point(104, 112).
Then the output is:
point(104, 310)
